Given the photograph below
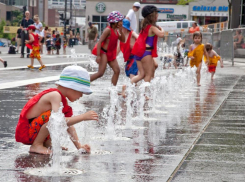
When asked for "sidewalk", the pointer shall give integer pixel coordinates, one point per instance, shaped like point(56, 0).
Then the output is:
point(14, 60)
point(218, 154)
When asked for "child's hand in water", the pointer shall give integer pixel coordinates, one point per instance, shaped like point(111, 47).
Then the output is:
point(91, 115)
point(85, 149)
point(221, 65)
point(98, 59)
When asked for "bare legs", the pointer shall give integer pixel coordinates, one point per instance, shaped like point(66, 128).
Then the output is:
point(198, 72)
point(102, 67)
point(41, 147)
point(38, 144)
point(101, 70)
point(115, 67)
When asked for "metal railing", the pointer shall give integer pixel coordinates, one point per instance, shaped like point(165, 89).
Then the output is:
point(229, 44)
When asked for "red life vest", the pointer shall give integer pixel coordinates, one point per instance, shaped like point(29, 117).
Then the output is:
point(112, 46)
point(140, 45)
point(22, 129)
point(35, 42)
point(125, 48)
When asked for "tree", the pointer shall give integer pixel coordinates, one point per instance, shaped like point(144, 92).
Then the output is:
point(17, 17)
point(184, 2)
point(5, 35)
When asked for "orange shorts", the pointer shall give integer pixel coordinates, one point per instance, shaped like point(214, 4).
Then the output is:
point(36, 125)
point(35, 52)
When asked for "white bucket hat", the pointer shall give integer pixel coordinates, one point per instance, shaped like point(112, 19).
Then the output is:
point(137, 4)
point(76, 78)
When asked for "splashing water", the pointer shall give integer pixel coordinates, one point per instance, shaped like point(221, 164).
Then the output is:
point(57, 127)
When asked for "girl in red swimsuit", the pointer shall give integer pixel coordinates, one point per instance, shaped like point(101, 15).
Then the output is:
point(106, 48)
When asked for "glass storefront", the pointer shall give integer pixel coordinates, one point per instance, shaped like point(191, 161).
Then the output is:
point(204, 20)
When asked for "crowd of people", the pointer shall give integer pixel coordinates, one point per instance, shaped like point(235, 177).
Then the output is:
point(139, 51)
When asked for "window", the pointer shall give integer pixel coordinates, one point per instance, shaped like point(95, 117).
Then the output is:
point(96, 19)
point(178, 25)
point(160, 1)
point(185, 25)
point(103, 18)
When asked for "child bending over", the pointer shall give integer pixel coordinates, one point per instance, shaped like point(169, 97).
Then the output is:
point(32, 125)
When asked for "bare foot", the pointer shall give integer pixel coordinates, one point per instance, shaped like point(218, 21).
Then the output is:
point(147, 98)
point(198, 84)
point(64, 148)
point(123, 91)
point(86, 149)
point(39, 149)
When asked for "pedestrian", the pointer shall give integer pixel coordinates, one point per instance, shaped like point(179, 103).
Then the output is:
point(92, 34)
point(64, 45)
point(131, 16)
point(18, 38)
point(48, 43)
point(106, 48)
point(56, 31)
point(213, 59)
point(145, 47)
point(24, 34)
point(32, 125)
point(58, 43)
point(194, 28)
point(37, 24)
point(33, 43)
point(196, 53)
point(131, 68)
point(42, 32)
point(4, 62)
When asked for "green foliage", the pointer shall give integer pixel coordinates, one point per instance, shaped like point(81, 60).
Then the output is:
point(17, 17)
point(5, 35)
point(184, 2)
point(44, 25)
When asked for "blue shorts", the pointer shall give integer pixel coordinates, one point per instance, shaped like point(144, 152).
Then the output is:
point(131, 67)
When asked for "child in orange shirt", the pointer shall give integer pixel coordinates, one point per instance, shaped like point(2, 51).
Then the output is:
point(196, 53)
point(33, 43)
point(213, 59)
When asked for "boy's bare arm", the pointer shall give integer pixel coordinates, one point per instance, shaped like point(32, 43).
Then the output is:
point(206, 54)
point(90, 115)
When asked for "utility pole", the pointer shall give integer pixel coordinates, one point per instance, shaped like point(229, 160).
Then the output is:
point(65, 18)
point(71, 12)
point(32, 7)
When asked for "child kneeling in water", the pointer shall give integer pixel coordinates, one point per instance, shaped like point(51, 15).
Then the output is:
point(213, 59)
point(32, 125)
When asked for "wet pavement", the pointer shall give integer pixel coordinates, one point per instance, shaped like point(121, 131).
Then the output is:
point(201, 139)
point(218, 155)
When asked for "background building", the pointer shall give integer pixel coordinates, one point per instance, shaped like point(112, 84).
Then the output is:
point(209, 11)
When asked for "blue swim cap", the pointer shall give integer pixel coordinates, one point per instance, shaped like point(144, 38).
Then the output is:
point(126, 24)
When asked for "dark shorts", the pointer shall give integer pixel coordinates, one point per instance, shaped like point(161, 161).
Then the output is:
point(49, 48)
point(36, 124)
point(42, 41)
point(131, 67)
